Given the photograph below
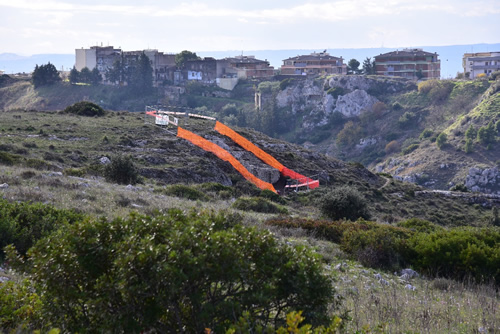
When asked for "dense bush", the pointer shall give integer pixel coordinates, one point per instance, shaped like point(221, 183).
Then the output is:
point(258, 204)
point(22, 224)
point(85, 108)
point(420, 225)
point(121, 170)
point(392, 147)
point(185, 191)
point(455, 253)
point(441, 140)
point(437, 90)
point(381, 247)
point(349, 135)
point(409, 149)
point(344, 203)
point(426, 133)
point(458, 253)
point(20, 308)
point(486, 134)
point(407, 119)
point(272, 196)
point(174, 273)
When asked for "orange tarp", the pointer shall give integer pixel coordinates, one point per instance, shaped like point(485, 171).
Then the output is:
point(223, 155)
point(248, 145)
point(265, 157)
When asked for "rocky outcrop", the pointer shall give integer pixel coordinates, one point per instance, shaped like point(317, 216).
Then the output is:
point(486, 180)
point(354, 103)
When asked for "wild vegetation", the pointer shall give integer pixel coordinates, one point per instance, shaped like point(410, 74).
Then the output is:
point(111, 223)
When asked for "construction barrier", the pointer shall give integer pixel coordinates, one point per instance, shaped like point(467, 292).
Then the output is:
point(265, 157)
point(223, 155)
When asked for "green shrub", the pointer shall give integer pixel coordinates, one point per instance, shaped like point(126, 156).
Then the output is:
point(9, 159)
point(22, 224)
point(441, 140)
point(38, 164)
point(460, 187)
point(187, 192)
point(381, 247)
point(162, 273)
point(486, 134)
point(272, 196)
point(20, 307)
point(85, 108)
point(409, 149)
point(420, 225)
point(258, 204)
point(425, 134)
point(78, 172)
point(407, 119)
point(121, 170)
point(397, 106)
point(344, 203)
point(469, 145)
point(458, 253)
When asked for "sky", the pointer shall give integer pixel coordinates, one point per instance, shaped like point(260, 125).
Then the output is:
point(30, 27)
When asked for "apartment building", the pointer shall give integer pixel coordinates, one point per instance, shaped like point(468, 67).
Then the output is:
point(409, 63)
point(481, 62)
point(314, 64)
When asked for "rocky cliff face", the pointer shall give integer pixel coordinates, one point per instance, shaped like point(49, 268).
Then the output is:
point(354, 95)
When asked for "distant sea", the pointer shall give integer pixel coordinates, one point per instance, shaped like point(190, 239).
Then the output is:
point(450, 56)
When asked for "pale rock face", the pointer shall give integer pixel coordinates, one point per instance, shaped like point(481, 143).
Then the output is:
point(354, 103)
point(485, 180)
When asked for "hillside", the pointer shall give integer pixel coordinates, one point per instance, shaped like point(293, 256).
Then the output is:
point(75, 145)
point(54, 170)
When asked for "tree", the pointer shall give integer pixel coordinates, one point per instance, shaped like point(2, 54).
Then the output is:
point(353, 66)
point(344, 203)
point(141, 78)
point(74, 75)
point(45, 75)
point(121, 170)
point(486, 134)
point(174, 273)
point(117, 73)
point(368, 66)
point(469, 145)
point(95, 76)
point(471, 133)
point(184, 56)
point(85, 75)
point(441, 140)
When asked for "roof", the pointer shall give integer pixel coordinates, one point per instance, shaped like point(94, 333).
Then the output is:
point(245, 60)
point(407, 53)
point(314, 56)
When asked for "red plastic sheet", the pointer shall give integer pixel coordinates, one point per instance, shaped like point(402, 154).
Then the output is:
point(224, 155)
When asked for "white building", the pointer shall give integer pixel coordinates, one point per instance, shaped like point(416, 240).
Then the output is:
point(481, 62)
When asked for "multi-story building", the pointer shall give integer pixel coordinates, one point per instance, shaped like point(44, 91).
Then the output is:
point(313, 64)
point(481, 62)
point(249, 66)
point(104, 57)
point(409, 63)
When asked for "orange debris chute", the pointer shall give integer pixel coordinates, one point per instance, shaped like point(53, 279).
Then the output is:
point(265, 157)
point(223, 155)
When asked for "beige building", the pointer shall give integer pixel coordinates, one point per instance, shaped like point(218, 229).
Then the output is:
point(481, 62)
point(313, 64)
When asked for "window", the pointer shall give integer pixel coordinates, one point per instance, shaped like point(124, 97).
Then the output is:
point(485, 63)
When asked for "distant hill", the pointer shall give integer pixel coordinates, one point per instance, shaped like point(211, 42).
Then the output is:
point(451, 56)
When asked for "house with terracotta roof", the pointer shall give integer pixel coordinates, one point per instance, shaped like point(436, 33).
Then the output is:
point(409, 63)
point(315, 63)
